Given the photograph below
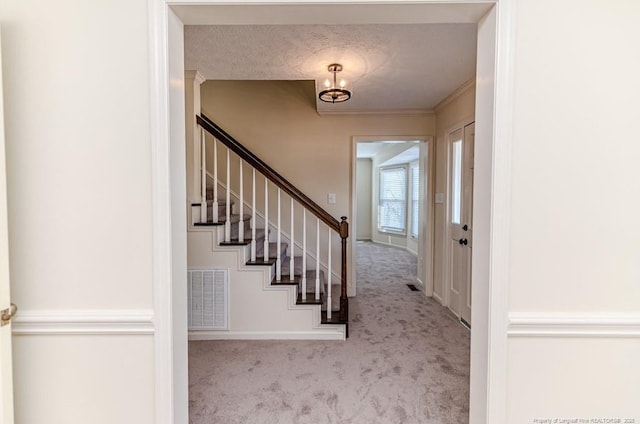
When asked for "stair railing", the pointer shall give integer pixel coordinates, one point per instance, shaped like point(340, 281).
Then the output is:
point(341, 228)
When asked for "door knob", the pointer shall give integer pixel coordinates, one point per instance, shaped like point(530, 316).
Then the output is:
point(463, 241)
point(7, 314)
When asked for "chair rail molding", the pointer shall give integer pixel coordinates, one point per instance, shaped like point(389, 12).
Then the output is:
point(591, 325)
point(84, 322)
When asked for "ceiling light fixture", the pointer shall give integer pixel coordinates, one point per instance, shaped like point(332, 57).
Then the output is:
point(335, 93)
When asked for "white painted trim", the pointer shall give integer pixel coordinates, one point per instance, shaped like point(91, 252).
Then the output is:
point(74, 322)
point(456, 93)
point(194, 76)
point(162, 261)
point(578, 325)
point(499, 257)
point(267, 335)
point(382, 243)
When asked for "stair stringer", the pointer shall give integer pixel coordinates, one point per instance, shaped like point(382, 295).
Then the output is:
point(257, 310)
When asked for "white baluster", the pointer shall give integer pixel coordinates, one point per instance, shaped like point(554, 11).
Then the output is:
point(266, 220)
point(292, 246)
point(241, 223)
point(253, 214)
point(318, 259)
point(215, 214)
point(329, 277)
point(227, 224)
point(278, 242)
point(304, 253)
point(203, 186)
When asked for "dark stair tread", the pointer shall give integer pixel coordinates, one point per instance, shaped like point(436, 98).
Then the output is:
point(235, 218)
point(310, 299)
point(208, 224)
point(285, 281)
point(221, 202)
point(259, 261)
point(335, 318)
point(235, 243)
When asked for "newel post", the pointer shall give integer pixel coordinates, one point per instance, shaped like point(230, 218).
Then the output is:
point(344, 300)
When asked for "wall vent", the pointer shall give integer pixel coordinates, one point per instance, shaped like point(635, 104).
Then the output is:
point(208, 299)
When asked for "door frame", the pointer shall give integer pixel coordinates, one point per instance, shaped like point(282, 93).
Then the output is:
point(490, 271)
point(6, 369)
point(425, 240)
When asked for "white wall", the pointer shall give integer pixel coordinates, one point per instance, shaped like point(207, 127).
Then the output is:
point(76, 87)
point(574, 246)
point(363, 199)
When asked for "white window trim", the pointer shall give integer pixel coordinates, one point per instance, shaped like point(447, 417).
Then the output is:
point(385, 230)
point(410, 200)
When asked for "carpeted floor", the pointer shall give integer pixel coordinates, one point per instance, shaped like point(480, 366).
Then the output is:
point(406, 361)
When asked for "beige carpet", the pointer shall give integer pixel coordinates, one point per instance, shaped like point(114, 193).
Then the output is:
point(406, 361)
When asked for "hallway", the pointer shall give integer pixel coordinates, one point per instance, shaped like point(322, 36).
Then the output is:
point(406, 361)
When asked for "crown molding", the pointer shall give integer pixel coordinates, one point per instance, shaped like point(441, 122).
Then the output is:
point(406, 112)
point(194, 75)
point(456, 93)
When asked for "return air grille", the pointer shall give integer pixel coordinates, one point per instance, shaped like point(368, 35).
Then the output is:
point(208, 299)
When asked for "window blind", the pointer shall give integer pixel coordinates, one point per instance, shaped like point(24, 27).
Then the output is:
point(393, 199)
point(415, 197)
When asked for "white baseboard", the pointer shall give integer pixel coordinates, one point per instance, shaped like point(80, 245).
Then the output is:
point(79, 322)
point(269, 335)
point(383, 243)
point(573, 325)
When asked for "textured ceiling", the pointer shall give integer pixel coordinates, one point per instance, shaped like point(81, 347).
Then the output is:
point(389, 67)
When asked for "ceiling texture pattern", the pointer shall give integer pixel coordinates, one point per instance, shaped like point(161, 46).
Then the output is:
point(406, 68)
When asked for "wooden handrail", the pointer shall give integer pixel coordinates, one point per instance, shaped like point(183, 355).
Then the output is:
point(268, 172)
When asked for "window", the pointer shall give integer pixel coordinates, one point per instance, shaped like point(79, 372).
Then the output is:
point(415, 197)
point(456, 182)
point(393, 199)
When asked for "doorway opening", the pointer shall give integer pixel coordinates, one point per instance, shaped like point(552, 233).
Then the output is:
point(488, 350)
point(390, 199)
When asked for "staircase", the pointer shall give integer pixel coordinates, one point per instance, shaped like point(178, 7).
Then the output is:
point(247, 236)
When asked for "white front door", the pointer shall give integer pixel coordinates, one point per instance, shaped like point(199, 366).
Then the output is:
point(461, 143)
point(6, 378)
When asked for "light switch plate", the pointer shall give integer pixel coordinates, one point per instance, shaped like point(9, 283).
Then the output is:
point(439, 197)
point(331, 198)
